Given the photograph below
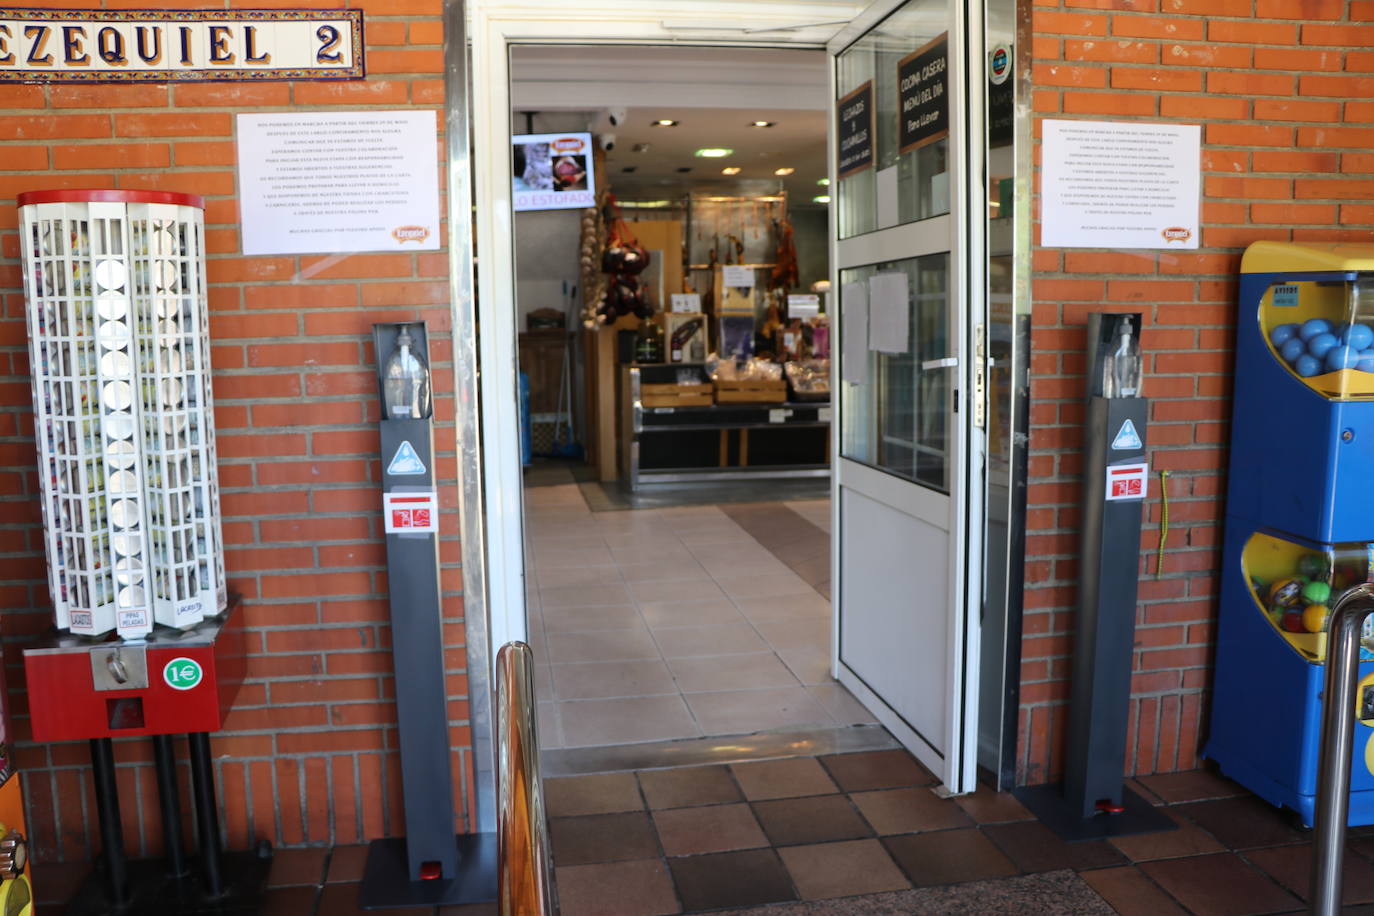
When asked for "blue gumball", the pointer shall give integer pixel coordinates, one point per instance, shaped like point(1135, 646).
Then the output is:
point(1365, 364)
point(1322, 344)
point(1341, 357)
point(1292, 349)
point(1307, 366)
point(1359, 336)
point(1282, 334)
point(1314, 326)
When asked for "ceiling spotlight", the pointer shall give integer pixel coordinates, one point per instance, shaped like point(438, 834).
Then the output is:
point(824, 182)
point(762, 123)
point(730, 170)
point(822, 199)
point(665, 122)
point(783, 173)
point(713, 153)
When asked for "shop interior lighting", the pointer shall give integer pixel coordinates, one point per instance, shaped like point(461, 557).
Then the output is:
point(714, 152)
point(762, 123)
point(824, 182)
point(784, 172)
point(730, 170)
point(822, 199)
point(665, 122)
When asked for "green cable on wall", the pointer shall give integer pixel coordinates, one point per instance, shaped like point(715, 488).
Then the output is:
point(1163, 522)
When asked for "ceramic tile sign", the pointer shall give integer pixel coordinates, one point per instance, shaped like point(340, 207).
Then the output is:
point(338, 182)
point(552, 172)
point(1112, 184)
point(199, 45)
point(923, 95)
point(855, 136)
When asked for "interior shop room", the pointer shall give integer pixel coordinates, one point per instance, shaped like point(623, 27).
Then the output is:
point(674, 340)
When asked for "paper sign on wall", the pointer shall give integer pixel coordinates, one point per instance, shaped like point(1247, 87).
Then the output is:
point(1120, 185)
point(1126, 481)
point(686, 302)
point(803, 305)
point(737, 277)
point(411, 513)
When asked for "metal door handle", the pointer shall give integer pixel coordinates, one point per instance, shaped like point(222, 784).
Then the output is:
point(948, 362)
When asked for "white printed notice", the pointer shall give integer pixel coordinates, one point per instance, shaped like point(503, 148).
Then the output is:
point(854, 332)
point(1120, 185)
point(339, 182)
point(889, 312)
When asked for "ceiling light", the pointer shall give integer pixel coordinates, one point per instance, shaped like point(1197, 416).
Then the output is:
point(762, 123)
point(730, 170)
point(665, 122)
point(713, 153)
point(822, 199)
point(824, 182)
point(783, 173)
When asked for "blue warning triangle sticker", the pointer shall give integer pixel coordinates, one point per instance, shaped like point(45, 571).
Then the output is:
point(405, 462)
point(1126, 437)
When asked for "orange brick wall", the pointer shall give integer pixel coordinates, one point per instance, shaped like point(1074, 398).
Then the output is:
point(308, 756)
point(1283, 91)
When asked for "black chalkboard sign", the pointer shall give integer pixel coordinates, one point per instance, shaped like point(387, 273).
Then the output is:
point(923, 95)
point(1001, 96)
point(855, 135)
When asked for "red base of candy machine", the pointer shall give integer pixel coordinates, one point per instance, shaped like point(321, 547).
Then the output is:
point(173, 682)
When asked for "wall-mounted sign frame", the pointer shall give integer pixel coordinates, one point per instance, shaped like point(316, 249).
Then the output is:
point(47, 45)
point(856, 133)
point(923, 95)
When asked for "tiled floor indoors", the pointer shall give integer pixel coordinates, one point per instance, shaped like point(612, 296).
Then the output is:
point(679, 622)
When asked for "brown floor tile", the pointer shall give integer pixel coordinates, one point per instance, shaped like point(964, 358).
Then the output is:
point(603, 793)
point(1131, 893)
point(289, 901)
point(1242, 823)
point(293, 866)
point(1291, 866)
point(988, 807)
point(1187, 840)
point(948, 857)
point(783, 778)
point(1219, 885)
point(342, 900)
point(726, 879)
point(346, 864)
point(597, 838)
point(1035, 847)
point(714, 828)
point(640, 888)
point(842, 869)
point(1190, 785)
point(815, 819)
point(686, 786)
point(877, 770)
point(908, 810)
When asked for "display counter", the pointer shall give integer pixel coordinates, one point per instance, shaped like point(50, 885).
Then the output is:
point(682, 444)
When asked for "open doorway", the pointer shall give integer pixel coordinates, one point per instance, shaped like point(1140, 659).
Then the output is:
point(676, 498)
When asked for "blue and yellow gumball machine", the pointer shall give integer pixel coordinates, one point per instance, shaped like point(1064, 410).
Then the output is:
point(1299, 516)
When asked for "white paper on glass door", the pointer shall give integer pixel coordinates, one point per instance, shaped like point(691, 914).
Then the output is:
point(889, 313)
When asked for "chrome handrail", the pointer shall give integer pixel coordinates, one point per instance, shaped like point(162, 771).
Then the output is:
point(524, 869)
point(1337, 743)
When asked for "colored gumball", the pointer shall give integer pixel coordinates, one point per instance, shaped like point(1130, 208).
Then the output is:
point(1366, 363)
point(1359, 336)
point(1286, 592)
point(1341, 357)
point(1292, 349)
point(1292, 622)
point(1307, 366)
point(1282, 334)
point(1314, 618)
point(1316, 593)
point(1312, 565)
point(1314, 326)
point(1322, 344)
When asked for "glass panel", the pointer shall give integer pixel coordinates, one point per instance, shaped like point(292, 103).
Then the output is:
point(896, 417)
point(893, 187)
point(1323, 332)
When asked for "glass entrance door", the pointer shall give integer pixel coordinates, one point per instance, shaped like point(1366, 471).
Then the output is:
point(904, 293)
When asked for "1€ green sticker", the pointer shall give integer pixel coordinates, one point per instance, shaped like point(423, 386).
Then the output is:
point(182, 673)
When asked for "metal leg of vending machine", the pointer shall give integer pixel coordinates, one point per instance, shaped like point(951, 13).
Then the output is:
point(429, 865)
point(169, 802)
point(1092, 801)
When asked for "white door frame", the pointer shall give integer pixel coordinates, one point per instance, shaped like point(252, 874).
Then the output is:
point(494, 27)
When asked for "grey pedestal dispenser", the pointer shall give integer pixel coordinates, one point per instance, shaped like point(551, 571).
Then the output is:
point(1093, 801)
point(428, 866)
